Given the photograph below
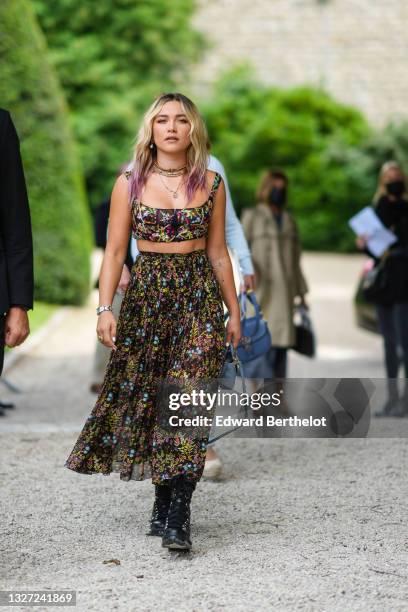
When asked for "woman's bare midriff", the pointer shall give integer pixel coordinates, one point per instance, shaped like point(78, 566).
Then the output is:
point(186, 246)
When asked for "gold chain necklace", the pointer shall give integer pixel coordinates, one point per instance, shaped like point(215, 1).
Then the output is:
point(174, 192)
point(169, 171)
point(176, 216)
point(175, 219)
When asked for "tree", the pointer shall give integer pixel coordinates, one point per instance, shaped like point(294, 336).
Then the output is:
point(113, 57)
point(389, 143)
point(60, 217)
point(314, 139)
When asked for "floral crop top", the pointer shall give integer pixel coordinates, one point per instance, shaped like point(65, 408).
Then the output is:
point(172, 225)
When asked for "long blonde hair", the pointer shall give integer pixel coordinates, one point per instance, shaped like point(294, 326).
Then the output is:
point(381, 190)
point(144, 155)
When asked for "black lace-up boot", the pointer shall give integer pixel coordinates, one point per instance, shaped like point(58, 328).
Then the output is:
point(160, 509)
point(177, 532)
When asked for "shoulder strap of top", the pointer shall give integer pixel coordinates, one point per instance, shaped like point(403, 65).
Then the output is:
point(216, 184)
point(128, 174)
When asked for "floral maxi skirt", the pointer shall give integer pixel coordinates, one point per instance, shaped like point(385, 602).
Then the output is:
point(171, 324)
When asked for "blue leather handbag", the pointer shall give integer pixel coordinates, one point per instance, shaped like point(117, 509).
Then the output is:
point(256, 339)
point(255, 349)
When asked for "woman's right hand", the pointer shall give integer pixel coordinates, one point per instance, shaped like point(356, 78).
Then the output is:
point(233, 330)
point(106, 329)
point(361, 242)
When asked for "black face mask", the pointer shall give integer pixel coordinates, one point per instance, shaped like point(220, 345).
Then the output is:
point(277, 196)
point(395, 188)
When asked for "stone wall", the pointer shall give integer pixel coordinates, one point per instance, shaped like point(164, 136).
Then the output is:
point(356, 49)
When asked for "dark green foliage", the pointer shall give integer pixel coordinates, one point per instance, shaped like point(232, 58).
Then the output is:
point(60, 218)
point(306, 133)
point(113, 57)
point(390, 143)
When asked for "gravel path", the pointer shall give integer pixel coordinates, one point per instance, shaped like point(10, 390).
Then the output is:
point(295, 524)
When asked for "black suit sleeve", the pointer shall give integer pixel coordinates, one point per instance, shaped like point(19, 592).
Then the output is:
point(129, 259)
point(101, 218)
point(15, 221)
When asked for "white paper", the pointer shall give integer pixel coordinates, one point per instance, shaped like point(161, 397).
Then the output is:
point(366, 223)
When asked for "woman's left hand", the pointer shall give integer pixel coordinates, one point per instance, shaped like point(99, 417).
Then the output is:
point(233, 330)
point(249, 282)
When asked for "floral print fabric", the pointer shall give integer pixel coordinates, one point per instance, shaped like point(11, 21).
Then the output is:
point(166, 225)
point(171, 324)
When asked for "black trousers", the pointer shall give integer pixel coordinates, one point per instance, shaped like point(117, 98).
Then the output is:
point(393, 323)
point(2, 320)
point(280, 362)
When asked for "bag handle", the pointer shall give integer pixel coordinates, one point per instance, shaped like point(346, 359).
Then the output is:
point(239, 372)
point(384, 256)
point(237, 365)
point(251, 297)
point(305, 319)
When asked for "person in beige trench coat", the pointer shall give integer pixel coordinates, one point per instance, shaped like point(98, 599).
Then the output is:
point(274, 241)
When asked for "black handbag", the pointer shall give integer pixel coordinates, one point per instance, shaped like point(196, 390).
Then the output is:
point(305, 342)
point(374, 284)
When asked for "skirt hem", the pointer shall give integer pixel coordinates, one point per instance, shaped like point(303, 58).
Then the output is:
point(137, 474)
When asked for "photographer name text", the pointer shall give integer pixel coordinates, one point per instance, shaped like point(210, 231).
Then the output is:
point(259, 421)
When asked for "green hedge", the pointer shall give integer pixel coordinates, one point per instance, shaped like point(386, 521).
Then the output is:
point(61, 224)
point(113, 57)
point(316, 140)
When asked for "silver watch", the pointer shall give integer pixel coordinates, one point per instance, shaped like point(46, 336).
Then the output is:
point(102, 309)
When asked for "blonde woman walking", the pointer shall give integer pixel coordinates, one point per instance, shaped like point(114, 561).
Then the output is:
point(171, 323)
point(391, 206)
